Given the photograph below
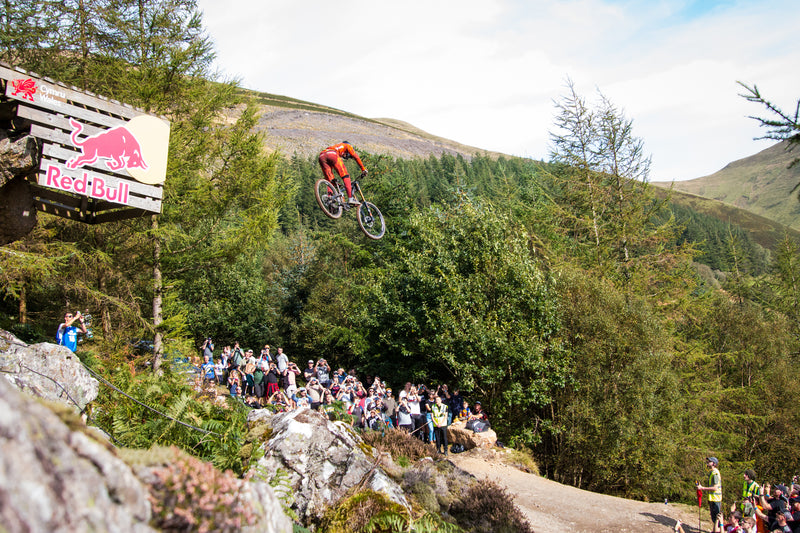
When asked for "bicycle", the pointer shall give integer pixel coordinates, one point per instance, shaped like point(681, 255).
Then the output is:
point(331, 198)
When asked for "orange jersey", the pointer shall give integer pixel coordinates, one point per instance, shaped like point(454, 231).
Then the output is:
point(345, 151)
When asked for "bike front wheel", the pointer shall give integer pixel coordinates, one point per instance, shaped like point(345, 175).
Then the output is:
point(328, 198)
point(371, 220)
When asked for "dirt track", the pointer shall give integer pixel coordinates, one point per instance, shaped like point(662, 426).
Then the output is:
point(554, 508)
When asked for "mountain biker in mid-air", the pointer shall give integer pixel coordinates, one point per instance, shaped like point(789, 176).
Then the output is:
point(332, 158)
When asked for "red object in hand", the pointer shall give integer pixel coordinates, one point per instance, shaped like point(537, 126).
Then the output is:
point(699, 498)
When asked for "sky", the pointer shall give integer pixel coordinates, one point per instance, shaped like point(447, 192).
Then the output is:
point(487, 73)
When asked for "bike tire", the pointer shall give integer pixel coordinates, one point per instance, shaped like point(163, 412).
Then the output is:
point(326, 198)
point(371, 220)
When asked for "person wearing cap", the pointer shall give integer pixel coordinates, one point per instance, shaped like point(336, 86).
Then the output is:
point(390, 408)
point(714, 488)
point(774, 505)
point(309, 372)
point(478, 413)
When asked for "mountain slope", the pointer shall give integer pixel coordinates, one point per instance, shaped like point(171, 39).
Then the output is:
point(297, 127)
point(760, 184)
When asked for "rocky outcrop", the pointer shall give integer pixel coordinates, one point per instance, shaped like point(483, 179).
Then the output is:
point(457, 433)
point(47, 371)
point(18, 158)
point(321, 460)
point(55, 479)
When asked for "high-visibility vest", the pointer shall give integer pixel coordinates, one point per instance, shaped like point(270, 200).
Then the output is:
point(715, 479)
point(439, 415)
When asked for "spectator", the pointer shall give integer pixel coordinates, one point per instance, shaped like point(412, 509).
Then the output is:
point(374, 420)
point(390, 408)
point(714, 487)
point(301, 398)
point(67, 334)
point(208, 349)
point(456, 404)
point(271, 378)
point(266, 355)
point(282, 360)
point(207, 369)
point(464, 413)
point(404, 420)
point(308, 372)
point(314, 390)
point(417, 417)
point(751, 492)
point(772, 505)
point(237, 357)
point(478, 413)
point(290, 379)
point(323, 373)
point(234, 382)
point(439, 417)
point(259, 386)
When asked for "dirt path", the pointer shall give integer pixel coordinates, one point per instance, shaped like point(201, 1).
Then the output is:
point(554, 508)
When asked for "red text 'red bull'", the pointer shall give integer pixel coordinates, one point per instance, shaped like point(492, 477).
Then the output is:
point(94, 187)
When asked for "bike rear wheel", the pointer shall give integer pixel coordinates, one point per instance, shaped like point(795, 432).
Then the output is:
point(327, 198)
point(371, 220)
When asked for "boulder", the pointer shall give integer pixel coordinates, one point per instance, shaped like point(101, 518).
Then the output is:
point(457, 433)
point(47, 371)
point(320, 461)
point(56, 479)
point(18, 158)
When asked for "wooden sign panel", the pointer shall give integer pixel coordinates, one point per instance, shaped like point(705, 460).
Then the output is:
point(100, 160)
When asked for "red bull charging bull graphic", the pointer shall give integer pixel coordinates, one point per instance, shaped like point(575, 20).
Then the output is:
point(117, 146)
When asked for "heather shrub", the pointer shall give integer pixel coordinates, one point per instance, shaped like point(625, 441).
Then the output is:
point(402, 447)
point(191, 495)
point(486, 506)
point(353, 513)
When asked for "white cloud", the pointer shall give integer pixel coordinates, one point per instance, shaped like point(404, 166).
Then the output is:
point(485, 73)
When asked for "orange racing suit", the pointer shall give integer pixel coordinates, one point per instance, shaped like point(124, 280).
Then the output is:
point(332, 158)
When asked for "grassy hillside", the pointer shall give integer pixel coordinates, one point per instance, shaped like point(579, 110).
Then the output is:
point(760, 184)
point(762, 230)
point(297, 127)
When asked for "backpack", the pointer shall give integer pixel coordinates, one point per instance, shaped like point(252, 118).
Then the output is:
point(457, 448)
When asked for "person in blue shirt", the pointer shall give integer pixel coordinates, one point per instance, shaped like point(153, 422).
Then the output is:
point(67, 334)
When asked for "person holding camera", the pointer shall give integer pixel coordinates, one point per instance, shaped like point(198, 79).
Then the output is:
point(67, 333)
point(208, 350)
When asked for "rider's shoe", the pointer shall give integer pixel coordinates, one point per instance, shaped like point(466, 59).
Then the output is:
point(353, 201)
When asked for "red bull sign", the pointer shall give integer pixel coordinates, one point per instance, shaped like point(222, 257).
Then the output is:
point(92, 147)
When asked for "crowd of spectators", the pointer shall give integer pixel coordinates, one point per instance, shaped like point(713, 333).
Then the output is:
point(272, 380)
point(773, 508)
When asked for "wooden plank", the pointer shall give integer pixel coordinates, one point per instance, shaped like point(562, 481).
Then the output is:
point(59, 97)
point(124, 214)
point(57, 120)
point(55, 152)
point(93, 185)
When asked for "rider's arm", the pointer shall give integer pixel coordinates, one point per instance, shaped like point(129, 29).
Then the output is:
point(354, 155)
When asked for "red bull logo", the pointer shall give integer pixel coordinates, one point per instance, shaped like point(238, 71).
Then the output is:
point(95, 187)
point(117, 146)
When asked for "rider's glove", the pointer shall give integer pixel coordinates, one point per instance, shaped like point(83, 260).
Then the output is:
point(363, 173)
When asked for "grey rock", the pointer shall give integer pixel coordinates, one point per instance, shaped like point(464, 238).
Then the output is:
point(57, 480)
point(18, 157)
point(47, 371)
point(322, 460)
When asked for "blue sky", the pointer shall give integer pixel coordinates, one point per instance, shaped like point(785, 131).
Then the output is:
point(486, 73)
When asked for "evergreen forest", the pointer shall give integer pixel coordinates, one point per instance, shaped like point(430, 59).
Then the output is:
point(618, 336)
